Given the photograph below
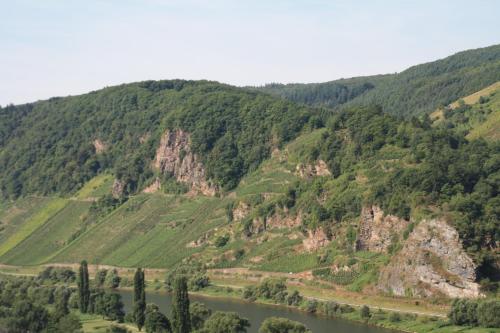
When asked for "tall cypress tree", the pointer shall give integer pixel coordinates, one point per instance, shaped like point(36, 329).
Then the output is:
point(139, 298)
point(83, 287)
point(181, 319)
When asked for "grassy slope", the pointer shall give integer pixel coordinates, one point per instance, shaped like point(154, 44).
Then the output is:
point(149, 230)
point(489, 127)
point(96, 187)
point(482, 120)
point(50, 237)
point(31, 224)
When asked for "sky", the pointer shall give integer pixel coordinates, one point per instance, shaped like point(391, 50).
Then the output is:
point(64, 47)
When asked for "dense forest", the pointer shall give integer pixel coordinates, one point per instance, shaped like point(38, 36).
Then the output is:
point(415, 91)
point(407, 168)
point(48, 146)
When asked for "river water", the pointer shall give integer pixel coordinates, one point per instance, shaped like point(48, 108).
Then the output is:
point(257, 313)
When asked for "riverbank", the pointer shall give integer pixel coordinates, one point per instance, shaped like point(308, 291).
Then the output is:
point(392, 313)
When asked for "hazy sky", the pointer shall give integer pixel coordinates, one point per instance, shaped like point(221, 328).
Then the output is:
point(61, 47)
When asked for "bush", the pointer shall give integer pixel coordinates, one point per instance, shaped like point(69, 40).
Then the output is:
point(394, 317)
point(282, 325)
point(194, 272)
point(365, 312)
point(294, 299)
point(311, 306)
point(112, 279)
point(488, 313)
point(346, 308)
point(463, 312)
point(116, 329)
point(221, 241)
point(329, 308)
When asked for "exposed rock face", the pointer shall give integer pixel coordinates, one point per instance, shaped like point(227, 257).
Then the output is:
point(241, 211)
point(315, 239)
point(145, 137)
point(256, 227)
point(99, 146)
point(278, 221)
point(376, 231)
point(199, 242)
point(117, 189)
point(432, 262)
point(154, 187)
point(309, 171)
point(174, 156)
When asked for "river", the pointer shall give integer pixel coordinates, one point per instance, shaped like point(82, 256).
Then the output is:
point(257, 313)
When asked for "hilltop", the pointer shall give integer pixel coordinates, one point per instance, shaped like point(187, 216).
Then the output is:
point(418, 90)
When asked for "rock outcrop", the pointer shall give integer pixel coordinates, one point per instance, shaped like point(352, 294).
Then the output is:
point(174, 156)
point(315, 239)
point(278, 221)
point(241, 211)
point(376, 231)
point(117, 189)
point(432, 262)
point(256, 227)
point(154, 187)
point(99, 146)
point(308, 171)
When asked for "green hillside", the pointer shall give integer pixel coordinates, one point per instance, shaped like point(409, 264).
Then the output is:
point(478, 114)
point(415, 91)
point(151, 230)
point(49, 147)
point(293, 181)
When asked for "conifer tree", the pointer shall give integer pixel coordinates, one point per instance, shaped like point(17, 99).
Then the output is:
point(181, 319)
point(139, 298)
point(83, 287)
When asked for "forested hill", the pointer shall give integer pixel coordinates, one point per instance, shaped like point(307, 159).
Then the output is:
point(55, 146)
point(419, 89)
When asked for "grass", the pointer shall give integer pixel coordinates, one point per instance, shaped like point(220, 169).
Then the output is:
point(148, 230)
point(52, 236)
point(96, 187)
point(291, 262)
point(96, 324)
point(14, 214)
point(33, 223)
point(482, 120)
point(474, 98)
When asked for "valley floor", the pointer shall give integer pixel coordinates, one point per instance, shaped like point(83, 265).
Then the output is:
point(430, 315)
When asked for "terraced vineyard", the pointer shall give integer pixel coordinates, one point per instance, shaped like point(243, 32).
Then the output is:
point(152, 230)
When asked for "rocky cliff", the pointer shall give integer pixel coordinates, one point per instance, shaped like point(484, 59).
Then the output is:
point(377, 231)
point(315, 240)
point(308, 171)
point(174, 156)
point(432, 262)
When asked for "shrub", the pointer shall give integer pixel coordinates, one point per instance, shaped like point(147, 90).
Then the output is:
point(488, 313)
point(311, 306)
point(294, 299)
point(282, 325)
point(365, 312)
point(394, 317)
point(221, 241)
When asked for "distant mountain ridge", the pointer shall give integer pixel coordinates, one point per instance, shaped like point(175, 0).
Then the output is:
point(415, 91)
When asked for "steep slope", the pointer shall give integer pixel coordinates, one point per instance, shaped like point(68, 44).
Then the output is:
point(157, 174)
point(415, 91)
point(55, 146)
point(478, 114)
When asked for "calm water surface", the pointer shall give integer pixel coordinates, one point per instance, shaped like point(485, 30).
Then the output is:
point(257, 313)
